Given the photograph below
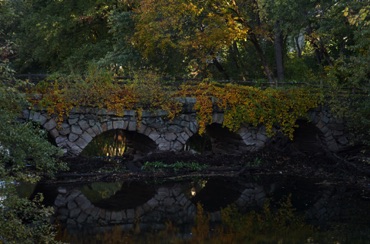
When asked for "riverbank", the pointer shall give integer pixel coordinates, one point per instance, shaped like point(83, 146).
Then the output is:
point(350, 167)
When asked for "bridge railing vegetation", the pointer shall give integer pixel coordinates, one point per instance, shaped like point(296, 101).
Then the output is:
point(275, 108)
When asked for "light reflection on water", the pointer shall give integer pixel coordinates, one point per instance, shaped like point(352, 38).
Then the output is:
point(100, 206)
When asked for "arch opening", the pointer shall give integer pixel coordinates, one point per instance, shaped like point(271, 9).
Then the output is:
point(307, 139)
point(117, 196)
point(218, 140)
point(217, 193)
point(225, 141)
point(118, 143)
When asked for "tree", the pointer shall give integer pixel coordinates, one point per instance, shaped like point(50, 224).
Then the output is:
point(25, 155)
point(197, 31)
point(62, 35)
point(350, 73)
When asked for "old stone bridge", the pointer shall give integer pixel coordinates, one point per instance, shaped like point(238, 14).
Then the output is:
point(156, 133)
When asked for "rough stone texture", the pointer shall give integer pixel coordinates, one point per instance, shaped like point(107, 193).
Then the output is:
point(83, 124)
point(51, 124)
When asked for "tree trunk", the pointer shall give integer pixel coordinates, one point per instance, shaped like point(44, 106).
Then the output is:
point(220, 68)
point(261, 54)
point(278, 44)
point(299, 50)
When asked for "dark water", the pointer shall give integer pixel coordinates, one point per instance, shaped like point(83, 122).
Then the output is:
point(98, 207)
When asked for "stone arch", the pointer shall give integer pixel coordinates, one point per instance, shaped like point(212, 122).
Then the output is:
point(334, 136)
point(45, 121)
point(308, 138)
point(119, 142)
point(83, 124)
point(76, 212)
point(225, 141)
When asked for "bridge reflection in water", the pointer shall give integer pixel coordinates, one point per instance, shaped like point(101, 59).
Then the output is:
point(99, 207)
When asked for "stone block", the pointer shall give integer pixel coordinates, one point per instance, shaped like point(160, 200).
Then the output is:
point(132, 126)
point(51, 124)
point(130, 214)
point(82, 218)
point(97, 129)
point(76, 129)
point(60, 201)
point(75, 150)
point(65, 129)
point(249, 141)
point(193, 126)
point(181, 139)
point(26, 114)
point(81, 143)
point(261, 137)
point(188, 132)
point(177, 146)
point(130, 113)
point(162, 192)
point(87, 137)
point(125, 124)
point(91, 122)
point(95, 212)
point(83, 124)
point(152, 203)
point(91, 132)
point(170, 136)
point(325, 119)
point(109, 125)
point(72, 120)
point(81, 199)
point(169, 201)
point(43, 119)
point(160, 113)
point(154, 135)
point(60, 140)
point(332, 145)
point(54, 133)
point(164, 146)
point(72, 137)
point(118, 124)
point(116, 216)
point(218, 118)
point(35, 116)
point(73, 213)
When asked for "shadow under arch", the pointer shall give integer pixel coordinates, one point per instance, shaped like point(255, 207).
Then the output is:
point(217, 139)
point(307, 139)
point(119, 142)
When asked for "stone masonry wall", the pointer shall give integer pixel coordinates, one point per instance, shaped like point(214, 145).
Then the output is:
point(83, 124)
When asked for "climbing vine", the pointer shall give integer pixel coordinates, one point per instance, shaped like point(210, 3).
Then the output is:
point(100, 89)
point(276, 109)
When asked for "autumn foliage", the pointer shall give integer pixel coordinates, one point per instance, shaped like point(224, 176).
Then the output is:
point(276, 109)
